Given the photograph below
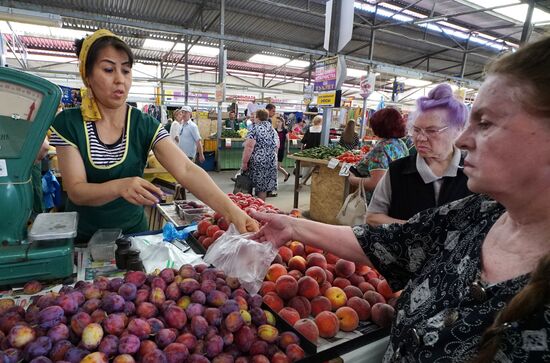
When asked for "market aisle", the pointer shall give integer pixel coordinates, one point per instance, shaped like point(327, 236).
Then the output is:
point(284, 199)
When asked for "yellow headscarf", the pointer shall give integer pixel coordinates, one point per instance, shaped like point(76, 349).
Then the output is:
point(88, 108)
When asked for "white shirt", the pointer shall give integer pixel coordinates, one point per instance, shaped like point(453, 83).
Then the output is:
point(175, 130)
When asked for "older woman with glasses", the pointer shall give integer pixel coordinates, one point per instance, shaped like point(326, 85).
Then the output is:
point(434, 175)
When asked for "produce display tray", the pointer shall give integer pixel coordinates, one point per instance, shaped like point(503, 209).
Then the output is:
point(341, 344)
point(325, 349)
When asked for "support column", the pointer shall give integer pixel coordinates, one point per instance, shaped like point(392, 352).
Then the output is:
point(527, 28)
point(464, 58)
point(186, 74)
point(162, 99)
point(221, 63)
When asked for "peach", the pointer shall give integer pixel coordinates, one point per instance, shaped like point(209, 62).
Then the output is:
point(324, 287)
point(328, 324)
point(317, 273)
point(308, 287)
point(286, 287)
point(341, 282)
point(301, 304)
point(275, 271)
point(375, 281)
point(361, 307)
point(273, 300)
point(373, 297)
point(372, 274)
point(308, 329)
point(267, 286)
point(365, 286)
point(297, 263)
point(330, 276)
point(382, 314)
point(331, 258)
point(356, 279)
point(362, 270)
point(286, 338)
point(353, 291)
point(294, 352)
point(310, 249)
point(285, 253)
point(336, 296)
point(316, 259)
point(280, 357)
point(330, 268)
point(32, 287)
point(295, 274)
point(344, 268)
point(349, 319)
point(319, 304)
point(289, 314)
point(297, 248)
point(384, 289)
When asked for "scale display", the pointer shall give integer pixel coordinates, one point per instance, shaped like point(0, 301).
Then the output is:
point(19, 107)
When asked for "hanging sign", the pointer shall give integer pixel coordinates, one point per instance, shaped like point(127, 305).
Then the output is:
point(326, 99)
point(325, 74)
point(220, 92)
point(367, 84)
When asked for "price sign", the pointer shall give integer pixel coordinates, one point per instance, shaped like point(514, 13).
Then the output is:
point(344, 171)
point(333, 163)
point(294, 142)
point(228, 143)
point(3, 168)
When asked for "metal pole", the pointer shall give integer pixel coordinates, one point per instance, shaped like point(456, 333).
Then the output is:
point(186, 75)
point(526, 33)
point(363, 120)
point(464, 59)
point(221, 68)
point(161, 88)
point(327, 119)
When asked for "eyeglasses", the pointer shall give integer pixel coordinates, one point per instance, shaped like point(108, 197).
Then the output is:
point(428, 132)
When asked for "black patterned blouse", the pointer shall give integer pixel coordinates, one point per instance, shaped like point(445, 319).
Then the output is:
point(444, 308)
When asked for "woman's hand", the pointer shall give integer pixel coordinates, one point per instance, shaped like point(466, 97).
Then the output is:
point(243, 222)
point(244, 166)
point(278, 229)
point(139, 191)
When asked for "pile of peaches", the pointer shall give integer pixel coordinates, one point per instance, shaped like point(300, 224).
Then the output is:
point(320, 294)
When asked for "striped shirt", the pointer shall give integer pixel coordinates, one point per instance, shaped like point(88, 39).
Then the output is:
point(101, 153)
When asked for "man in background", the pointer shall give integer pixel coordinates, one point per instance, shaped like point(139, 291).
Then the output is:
point(232, 122)
point(188, 137)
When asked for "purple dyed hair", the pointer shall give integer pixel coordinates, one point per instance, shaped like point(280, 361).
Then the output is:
point(441, 97)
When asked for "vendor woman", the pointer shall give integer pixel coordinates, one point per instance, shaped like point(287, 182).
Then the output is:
point(102, 148)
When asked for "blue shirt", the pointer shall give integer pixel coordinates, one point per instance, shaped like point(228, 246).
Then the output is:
point(189, 135)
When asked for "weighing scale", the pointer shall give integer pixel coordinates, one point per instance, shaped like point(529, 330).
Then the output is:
point(27, 108)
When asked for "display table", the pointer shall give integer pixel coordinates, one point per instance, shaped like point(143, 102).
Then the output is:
point(328, 189)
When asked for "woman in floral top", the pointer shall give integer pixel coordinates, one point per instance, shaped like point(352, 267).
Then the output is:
point(390, 126)
point(475, 272)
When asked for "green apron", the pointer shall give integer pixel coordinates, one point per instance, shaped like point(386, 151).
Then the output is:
point(140, 130)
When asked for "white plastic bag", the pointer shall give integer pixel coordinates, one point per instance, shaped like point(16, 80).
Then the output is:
point(354, 209)
point(240, 257)
point(158, 254)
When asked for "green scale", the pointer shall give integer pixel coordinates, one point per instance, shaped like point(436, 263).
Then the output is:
point(27, 108)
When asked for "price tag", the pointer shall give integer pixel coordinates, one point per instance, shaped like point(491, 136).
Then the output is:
point(228, 143)
point(344, 171)
point(3, 168)
point(333, 163)
point(294, 142)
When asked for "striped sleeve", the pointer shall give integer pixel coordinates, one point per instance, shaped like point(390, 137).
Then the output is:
point(162, 134)
point(56, 140)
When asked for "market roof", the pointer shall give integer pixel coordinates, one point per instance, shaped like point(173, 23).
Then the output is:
point(432, 37)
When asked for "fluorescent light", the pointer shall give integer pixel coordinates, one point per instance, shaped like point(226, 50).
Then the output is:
point(431, 20)
point(31, 17)
point(412, 82)
point(157, 44)
point(516, 11)
point(356, 73)
point(205, 51)
point(268, 59)
point(296, 63)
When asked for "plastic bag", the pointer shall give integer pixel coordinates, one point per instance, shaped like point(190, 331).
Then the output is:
point(354, 209)
point(158, 254)
point(240, 257)
point(243, 183)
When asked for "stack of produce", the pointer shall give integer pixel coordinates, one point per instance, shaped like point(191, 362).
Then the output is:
point(230, 134)
point(321, 152)
point(320, 294)
point(194, 314)
point(212, 226)
point(350, 157)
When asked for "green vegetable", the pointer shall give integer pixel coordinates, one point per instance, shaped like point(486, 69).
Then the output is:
point(230, 134)
point(322, 152)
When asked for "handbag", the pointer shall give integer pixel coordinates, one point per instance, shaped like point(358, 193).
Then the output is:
point(243, 184)
point(354, 209)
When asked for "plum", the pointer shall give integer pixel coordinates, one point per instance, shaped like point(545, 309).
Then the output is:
point(138, 278)
point(199, 326)
point(114, 324)
point(124, 358)
point(128, 291)
point(175, 317)
point(188, 286)
point(58, 332)
point(75, 355)
point(109, 345)
point(79, 322)
point(155, 324)
point(172, 292)
point(213, 316)
point(156, 356)
point(167, 275)
point(112, 303)
point(165, 337)
point(146, 310)
point(189, 340)
point(139, 327)
point(10, 355)
point(59, 350)
point(41, 346)
point(158, 282)
point(91, 305)
point(95, 357)
point(229, 306)
point(41, 359)
point(176, 353)
point(129, 344)
point(78, 297)
point(129, 308)
point(214, 346)
point(91, 336)
point(194, 309)
point(32, 287)
point(21, 335)
point(146, 347)
point(115, 284)
point(68, 304)
point(50, 316)
point(216, 298)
